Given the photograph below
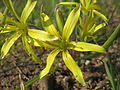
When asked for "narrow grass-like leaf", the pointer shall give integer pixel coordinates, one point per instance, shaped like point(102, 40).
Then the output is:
point(82, 46)
point(68, 3)
point(29, 50)
point(73, 67)
point(112, 81)
point(112, 37)
point(28, 9)
point(59, 20)
point(9, 5)
point(100, 14)
point(9, 42)
point(29, 82)
point(50, 60)
point(71, 23)
point(41, 35)
point(48, 25)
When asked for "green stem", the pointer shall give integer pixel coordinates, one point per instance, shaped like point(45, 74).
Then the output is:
point(4, 16)
point(106, 45)
point(34, 79)
point(112, 37)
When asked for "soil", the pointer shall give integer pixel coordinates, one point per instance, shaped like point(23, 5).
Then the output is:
point(17, 68)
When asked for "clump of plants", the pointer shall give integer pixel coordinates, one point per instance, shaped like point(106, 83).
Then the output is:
point(82, 17)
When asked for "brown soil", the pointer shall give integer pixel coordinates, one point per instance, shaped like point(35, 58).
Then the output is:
point(17, 68)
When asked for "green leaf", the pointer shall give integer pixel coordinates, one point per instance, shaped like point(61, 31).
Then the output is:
point(59, 20)
point(48, 25)
point(100, 14)
point(28, 9)
point(73, 67)
point(71, 23)
point(29, 50)
point(9, 42)
point(110, 75)
point(9, 5)
point(68, 3)
point(82, 46)
point(41, 35)
point(50, 60)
